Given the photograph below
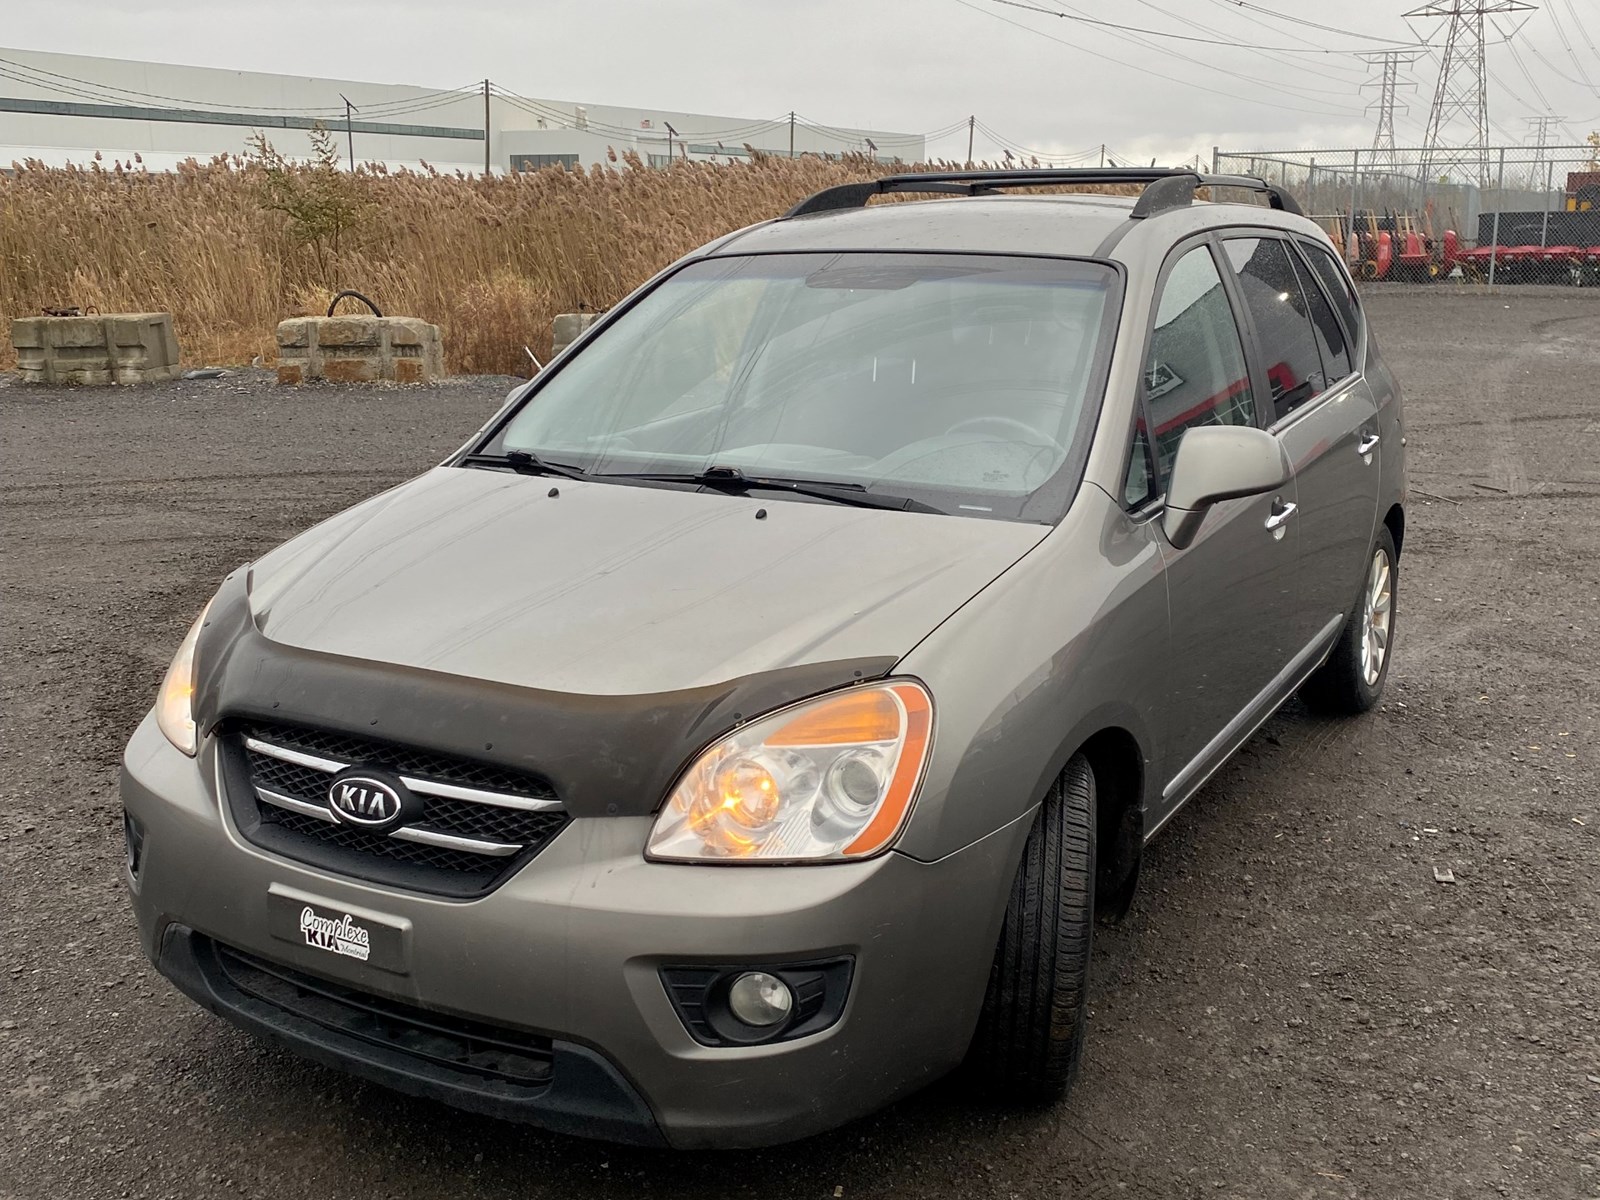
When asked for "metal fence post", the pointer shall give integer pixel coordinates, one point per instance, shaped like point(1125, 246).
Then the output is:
point(1355, 176)
point(1494, 237)
point(1216, 159)
point(1549, 185)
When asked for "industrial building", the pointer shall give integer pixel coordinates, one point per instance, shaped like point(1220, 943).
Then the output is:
point(65, 108)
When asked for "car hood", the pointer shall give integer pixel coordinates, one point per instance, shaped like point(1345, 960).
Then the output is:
point(610, 589)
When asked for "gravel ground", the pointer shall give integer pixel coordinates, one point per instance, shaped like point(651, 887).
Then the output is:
point(1295, 1007)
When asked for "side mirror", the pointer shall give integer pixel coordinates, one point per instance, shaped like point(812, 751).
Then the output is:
point(1216, 463)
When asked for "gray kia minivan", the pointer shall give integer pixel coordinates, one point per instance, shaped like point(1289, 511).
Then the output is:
point(746, 726)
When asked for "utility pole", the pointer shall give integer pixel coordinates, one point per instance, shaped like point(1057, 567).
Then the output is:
point(791, 133)
point(971, 124)
point(349, 129)
point(486, 158)
point(1389, 63)
point(1462, 94)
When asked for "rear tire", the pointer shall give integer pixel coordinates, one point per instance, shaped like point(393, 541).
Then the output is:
point(1031, 1032)
point(1346, 684)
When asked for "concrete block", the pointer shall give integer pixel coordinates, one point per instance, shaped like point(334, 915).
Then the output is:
point(348, 331)
point(408, 331)
point(109, 348)
point(410, 370)
point(351, 370)
point(80, 331)
point(566, 328)
point(359, 350)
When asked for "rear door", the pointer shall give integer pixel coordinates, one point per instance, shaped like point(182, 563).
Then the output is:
point(1324, 415)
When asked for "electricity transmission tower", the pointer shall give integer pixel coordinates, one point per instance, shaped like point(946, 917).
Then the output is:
point(1540, 134)
point(1388, 82)
point(1461, 99)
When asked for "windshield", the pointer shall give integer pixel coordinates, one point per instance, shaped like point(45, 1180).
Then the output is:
point(959, 380)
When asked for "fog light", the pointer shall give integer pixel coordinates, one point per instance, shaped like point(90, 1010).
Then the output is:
point(759, 999)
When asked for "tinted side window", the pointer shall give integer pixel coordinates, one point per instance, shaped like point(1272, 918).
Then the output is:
point(1283, 321)
point(1336, 284)
point(1331, 342)
point(1196, 373)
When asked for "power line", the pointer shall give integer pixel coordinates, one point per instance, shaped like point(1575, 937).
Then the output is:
point(1257, 22)
point(1582, 28)
point(1364, 37)
point(1544, 100)
point(1291, 63)
point(1255, 80)
point(1182, 37)
point(1567, 44)
point(988, 12)
point(1034, 151)
point(1549, 66)
point(887, 139)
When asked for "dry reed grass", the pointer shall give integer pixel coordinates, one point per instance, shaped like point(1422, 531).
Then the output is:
point(491, 260)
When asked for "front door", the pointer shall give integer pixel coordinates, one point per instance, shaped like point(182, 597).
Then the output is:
point(1232, 592)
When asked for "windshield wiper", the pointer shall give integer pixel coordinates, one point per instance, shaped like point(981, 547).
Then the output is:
point(732, 479)
point(524, 462)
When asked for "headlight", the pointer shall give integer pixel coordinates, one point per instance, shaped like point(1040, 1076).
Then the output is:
point(829, 779)
point(175, 701)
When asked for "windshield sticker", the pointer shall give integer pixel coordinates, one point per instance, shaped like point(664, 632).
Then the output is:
point(342, 936)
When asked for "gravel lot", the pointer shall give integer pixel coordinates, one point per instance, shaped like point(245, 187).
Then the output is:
point(1295, 1008)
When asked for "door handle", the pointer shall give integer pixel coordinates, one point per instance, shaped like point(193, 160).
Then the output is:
point(1281, 513)
point(1368, 444)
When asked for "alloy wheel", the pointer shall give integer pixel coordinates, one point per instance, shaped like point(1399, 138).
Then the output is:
point(1379, 608)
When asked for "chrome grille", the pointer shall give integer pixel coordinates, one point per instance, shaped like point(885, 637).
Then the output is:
point(404, 760)
point(479, 820)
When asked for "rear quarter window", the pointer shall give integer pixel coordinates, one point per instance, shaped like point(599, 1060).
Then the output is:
point(1337, 285)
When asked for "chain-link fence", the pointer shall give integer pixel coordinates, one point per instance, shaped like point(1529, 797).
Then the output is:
point(1509, 214)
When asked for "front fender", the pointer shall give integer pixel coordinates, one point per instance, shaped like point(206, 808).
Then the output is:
point(1067, 643)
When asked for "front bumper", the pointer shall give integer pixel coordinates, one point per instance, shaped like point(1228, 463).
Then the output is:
point(571, 948)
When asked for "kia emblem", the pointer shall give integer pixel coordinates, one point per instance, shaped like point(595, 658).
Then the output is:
point(367, 801)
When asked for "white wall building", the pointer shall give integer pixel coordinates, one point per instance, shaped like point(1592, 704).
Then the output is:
point(62, 108)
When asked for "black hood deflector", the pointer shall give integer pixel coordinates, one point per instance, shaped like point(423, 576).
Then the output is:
point(604, 755)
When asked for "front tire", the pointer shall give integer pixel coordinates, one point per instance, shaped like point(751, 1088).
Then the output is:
point(1351, 681)
point(1031, 1032)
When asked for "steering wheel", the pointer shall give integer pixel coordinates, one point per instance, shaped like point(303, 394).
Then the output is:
point(1032, 435)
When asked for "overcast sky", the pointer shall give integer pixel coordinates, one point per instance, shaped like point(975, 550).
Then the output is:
point(903, 65)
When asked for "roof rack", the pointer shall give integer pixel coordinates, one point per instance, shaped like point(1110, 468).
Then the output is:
point(1165, 189)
